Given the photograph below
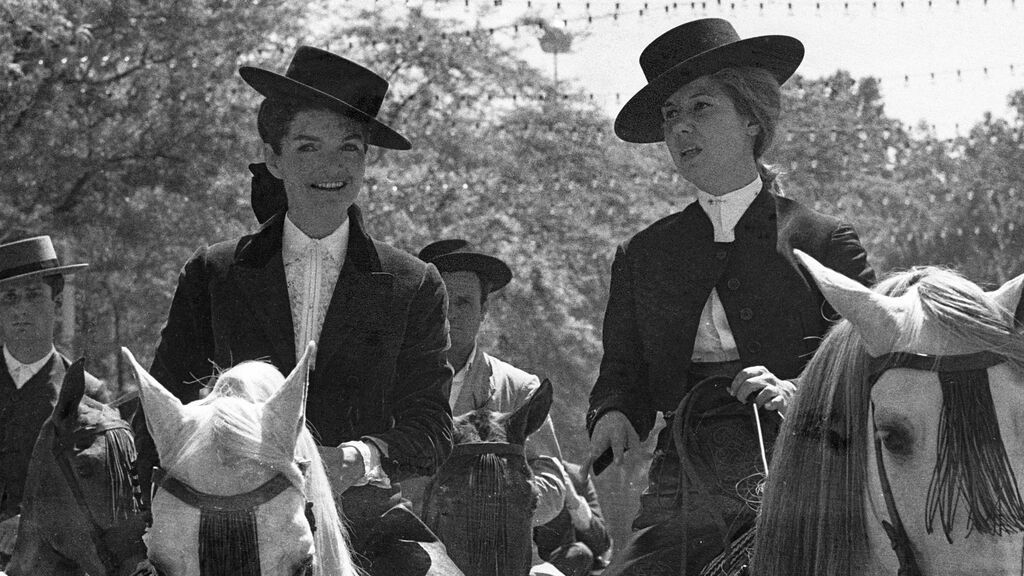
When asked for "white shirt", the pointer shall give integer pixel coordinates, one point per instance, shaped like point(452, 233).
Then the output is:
point(22, 373)
point(311, 270)
point(714, 342)
point(460, 378)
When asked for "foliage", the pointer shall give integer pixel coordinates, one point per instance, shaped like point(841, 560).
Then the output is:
point(117, 120)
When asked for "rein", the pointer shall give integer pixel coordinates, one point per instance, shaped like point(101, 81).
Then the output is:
point(62, 447)
point(898, 537)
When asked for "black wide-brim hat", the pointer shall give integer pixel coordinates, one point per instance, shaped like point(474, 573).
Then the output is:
point(30, 257)
point(457, 255)
point(692, 50)
point(334, 81)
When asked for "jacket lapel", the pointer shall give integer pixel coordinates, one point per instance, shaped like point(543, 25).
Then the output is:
point(259, 273)
point(361, 297)
point(758, 225)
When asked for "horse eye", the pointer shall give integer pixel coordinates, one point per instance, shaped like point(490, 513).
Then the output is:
point(896, 440)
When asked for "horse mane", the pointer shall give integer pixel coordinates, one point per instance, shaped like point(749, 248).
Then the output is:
point(481, 425)
point(812, 518)
point(235, 426)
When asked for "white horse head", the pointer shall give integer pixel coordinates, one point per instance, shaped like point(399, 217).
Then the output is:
point(250, 430)
point(930, 369)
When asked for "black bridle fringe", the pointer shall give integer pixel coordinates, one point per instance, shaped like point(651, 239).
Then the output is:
point(486, 515)
point(125, 494)
point(228, 545)
point(493, 514)
point(971, 462)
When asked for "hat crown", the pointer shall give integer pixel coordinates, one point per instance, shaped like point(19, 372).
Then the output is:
point(684, 42)
point(31, 257)
point(440, 248)
point(339, 77)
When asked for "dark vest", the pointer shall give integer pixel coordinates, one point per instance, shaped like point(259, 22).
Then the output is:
point(22, 413)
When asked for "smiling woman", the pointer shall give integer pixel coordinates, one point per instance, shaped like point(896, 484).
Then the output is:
point(321, 159)
point(311, 272)
point(711, 291)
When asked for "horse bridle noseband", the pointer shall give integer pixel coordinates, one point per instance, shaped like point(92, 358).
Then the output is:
point(63, 447)
point(898, 537)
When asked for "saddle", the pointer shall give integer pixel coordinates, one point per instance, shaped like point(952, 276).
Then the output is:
point(723, 464)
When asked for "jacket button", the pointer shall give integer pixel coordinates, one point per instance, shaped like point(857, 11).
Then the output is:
point(721, 254)
point(352, 381)
point(754, 347)
point(734, 284)
point(746, 313)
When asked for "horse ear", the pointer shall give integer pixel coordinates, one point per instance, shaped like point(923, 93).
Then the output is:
point(288, 405)
point(530, 416)
point(877, 318)
point(1009, 296)
point(72, 390)
point(164, 412)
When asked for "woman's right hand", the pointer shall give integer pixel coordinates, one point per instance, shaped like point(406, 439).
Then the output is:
point(613, 431)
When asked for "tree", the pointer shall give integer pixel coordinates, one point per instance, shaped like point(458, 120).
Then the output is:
point(124, 127)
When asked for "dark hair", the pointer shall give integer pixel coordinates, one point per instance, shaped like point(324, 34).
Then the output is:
point(485, 290)
point(276, 114)
point(56, 283)
point(756, 94)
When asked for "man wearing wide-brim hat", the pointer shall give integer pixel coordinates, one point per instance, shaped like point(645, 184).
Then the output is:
point(31, 283)
point(313, 272)
point(481, 380)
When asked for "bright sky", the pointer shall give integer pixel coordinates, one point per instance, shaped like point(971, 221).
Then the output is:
point(886, 41)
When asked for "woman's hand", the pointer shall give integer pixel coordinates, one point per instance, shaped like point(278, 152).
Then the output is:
point(613, 431)
point(771, 393)
point(344, 466)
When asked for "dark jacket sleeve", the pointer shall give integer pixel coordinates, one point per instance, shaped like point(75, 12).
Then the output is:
point(847, 256)
point(182, 357)
point(622, 382)
point(596, 536)
point(421, 437)
point(182, 361)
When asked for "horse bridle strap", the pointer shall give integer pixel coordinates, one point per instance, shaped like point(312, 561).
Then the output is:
point(898, 537)
point(478, 448)
point(63, 444)
point(953, 363)
point(203, 501)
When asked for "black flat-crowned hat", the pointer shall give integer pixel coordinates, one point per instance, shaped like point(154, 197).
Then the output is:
point(336, 82)
point(31, 257)
point(692, 50)
point(457, 255)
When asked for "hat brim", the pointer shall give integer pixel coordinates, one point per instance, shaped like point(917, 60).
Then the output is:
point(55, 271)
point(640, 120)
point(274, 85)
point(490, 269)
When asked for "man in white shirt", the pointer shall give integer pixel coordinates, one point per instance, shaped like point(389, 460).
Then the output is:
point(483, 381)
point(31, 282)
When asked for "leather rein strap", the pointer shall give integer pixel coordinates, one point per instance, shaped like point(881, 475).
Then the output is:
point(898, 537)
point(62, 446)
